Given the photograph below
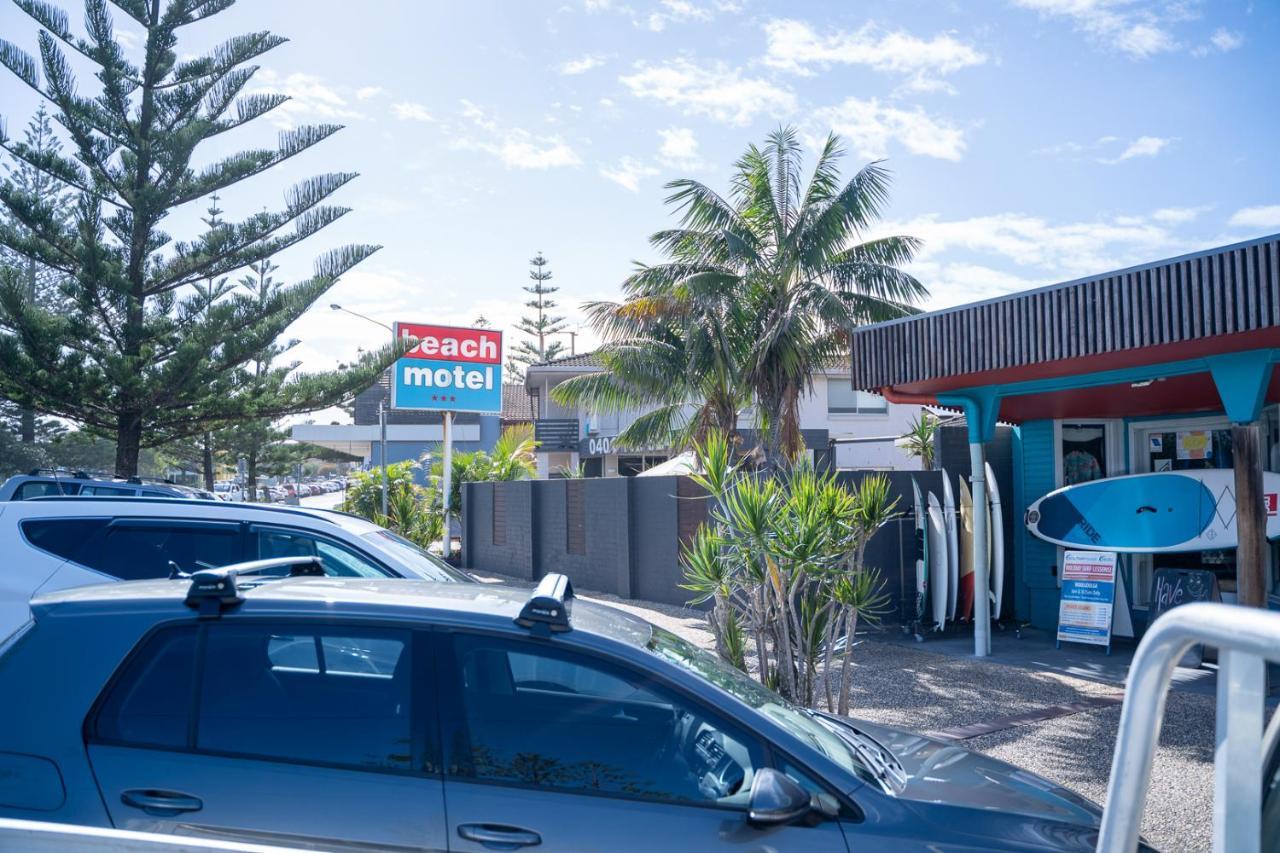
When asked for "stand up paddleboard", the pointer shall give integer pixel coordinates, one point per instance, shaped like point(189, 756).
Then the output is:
point(938, 558)
point(996, 529)
point(922, 554)
point(1164, 512)
point(952, 544)
point(964, 596)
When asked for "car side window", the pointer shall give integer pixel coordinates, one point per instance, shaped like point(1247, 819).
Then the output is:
point(337, 695)
point(149, 703)
point(146, 549)
point(338, 561)
point(62, 537)
point(44, 488)
point(542, 717)
point(107, 491)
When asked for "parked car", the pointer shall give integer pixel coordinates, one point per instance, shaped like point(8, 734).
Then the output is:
point(229, 491)
point(311, 710)
point(55, 543)
point(45, 482)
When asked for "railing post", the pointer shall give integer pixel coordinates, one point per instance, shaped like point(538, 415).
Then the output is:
point(1237, 757)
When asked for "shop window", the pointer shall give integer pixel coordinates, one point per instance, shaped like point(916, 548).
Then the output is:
point(843, 400)
point(1084, 453)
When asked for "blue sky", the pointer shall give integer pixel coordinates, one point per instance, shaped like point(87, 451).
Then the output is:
point(1031, 141)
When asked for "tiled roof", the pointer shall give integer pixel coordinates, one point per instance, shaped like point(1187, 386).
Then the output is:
point(582, 359)
point(516, 404)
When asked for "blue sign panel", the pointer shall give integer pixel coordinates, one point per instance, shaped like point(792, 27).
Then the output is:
point(1088, 597)
point(448, 370)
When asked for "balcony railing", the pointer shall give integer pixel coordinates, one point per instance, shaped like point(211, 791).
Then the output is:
point(556, 433)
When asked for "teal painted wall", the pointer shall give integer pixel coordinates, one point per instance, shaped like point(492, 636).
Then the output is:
point(1035, 572)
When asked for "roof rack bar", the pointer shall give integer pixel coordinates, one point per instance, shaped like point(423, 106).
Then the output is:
point(547, 610)
point(213, 590)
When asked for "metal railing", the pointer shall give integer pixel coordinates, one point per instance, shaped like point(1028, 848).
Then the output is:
point(1246, 639)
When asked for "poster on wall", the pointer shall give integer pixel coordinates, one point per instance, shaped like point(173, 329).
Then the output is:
point(1195, 444)
point(1088, 597)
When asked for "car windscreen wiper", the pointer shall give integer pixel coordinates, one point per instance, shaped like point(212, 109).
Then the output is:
point(883, 764)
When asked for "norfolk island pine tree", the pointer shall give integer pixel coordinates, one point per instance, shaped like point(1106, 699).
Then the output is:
point(134, 356)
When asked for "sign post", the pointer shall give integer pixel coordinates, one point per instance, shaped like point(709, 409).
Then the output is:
point(450, 369)
point(1088, 598)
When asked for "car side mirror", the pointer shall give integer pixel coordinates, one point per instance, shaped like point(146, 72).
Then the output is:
point(777, 799)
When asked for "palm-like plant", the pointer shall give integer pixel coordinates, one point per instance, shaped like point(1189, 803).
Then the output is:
point(919, 439)
point(771, 279)
point(512, 458)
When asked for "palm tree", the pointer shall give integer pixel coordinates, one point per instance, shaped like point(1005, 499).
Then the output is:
point(680, 365)
point(919, 439)
point(512, 458)
point(776, 275)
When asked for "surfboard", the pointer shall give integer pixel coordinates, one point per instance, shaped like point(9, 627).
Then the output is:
point(964, 596)
point(922, 553)
point(997, 544)
point(952, 543)
point(938, 560)
point(1165, 512)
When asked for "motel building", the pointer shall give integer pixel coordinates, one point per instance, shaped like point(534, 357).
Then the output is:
point(1169, 366)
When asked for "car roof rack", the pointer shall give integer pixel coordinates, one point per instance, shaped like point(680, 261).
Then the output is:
point(60, 472)
point(547, 610)
point(214, 590)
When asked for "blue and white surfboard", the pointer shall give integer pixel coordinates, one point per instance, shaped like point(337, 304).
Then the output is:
point(1149, 513)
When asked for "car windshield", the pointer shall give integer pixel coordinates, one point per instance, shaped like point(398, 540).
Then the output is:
point(799, 722)
point(428, 566)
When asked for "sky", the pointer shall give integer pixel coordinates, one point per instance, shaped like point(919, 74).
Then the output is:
point(1031, 141)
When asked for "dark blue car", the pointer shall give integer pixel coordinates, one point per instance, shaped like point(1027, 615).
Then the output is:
point(359, 714)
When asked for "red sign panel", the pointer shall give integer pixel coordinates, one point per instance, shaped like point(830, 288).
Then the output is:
point(452, 343)
point(1273, 505)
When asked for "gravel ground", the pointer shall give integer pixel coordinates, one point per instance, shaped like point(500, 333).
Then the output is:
point(913, 688)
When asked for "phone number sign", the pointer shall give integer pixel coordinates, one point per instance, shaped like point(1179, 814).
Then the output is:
point(448, 369)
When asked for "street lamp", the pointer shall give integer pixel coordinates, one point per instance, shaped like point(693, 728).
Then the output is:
point(382, 407)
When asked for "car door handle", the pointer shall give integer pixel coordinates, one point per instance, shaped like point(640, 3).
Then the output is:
point(496, 836)
point(161, 803)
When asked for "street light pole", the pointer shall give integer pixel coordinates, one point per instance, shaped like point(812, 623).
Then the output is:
point(382, 405)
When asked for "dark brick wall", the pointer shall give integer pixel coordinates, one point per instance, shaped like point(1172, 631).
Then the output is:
point(515, 557)
point(655, 550)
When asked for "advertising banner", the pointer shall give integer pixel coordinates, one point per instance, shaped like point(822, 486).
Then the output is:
point(450, 369)
point(1088, 596)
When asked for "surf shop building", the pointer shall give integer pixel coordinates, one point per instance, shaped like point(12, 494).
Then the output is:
point(1169, 366)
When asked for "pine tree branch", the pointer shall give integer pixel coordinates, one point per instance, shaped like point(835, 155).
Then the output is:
point(246, 164)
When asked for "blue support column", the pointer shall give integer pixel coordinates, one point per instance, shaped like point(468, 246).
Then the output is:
point(981, 407)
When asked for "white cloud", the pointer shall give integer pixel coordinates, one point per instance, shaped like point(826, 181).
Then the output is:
point(1140, 31)
point(796, 47)
point(718, 91)
point(676, 11)
point(1058, 251)
point(581, 65)
point(364, 93)
point(411, 111)
point(628, 173)
point(1263, 216)
point(310, 98)
point(1143, 146)
point(870, 127)
point(516, 147)
point(679, 148)
point(1180, 215)
point(128, 38)
point(1222, 41)
point(1225, 40)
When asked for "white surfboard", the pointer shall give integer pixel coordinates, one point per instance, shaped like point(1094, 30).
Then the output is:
point(938, 557)
point(996, 529)
point(921, 544)
point(952, 544)
point(1165, 512)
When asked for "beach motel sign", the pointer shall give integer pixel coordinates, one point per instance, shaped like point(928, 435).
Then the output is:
point(449, 369)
